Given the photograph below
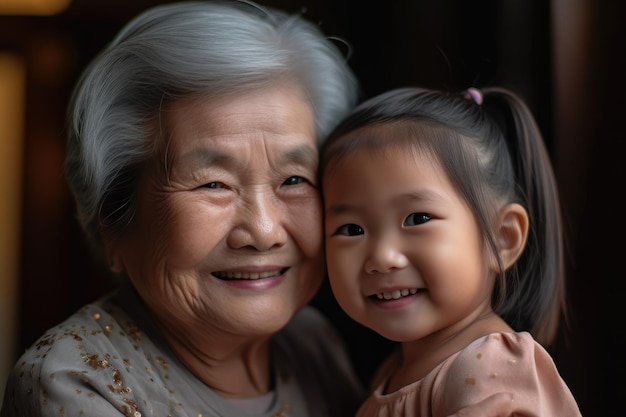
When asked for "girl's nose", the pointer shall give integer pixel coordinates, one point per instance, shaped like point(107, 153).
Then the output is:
point(259, 223)
point(384, 258)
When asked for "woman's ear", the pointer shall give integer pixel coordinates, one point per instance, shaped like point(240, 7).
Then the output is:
point(511, 233)
point(115, 264)
point(113, 258)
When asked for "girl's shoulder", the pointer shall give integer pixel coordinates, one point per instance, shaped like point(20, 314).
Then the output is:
point(496, 359)
point(503, 362)
point(501, 349)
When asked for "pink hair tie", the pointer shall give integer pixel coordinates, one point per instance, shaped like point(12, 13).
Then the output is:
point(474, 94)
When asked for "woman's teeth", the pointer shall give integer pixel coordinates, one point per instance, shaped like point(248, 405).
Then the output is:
point(246, 275)
point(394, 295)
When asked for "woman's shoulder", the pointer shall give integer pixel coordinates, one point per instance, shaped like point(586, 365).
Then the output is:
point(97, 359)
point(504, 362)
point(96, 333)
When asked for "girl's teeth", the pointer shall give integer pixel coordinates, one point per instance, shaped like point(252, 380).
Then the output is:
point(394, 295)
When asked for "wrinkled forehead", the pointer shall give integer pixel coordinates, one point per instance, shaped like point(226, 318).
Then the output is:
point(281, 108)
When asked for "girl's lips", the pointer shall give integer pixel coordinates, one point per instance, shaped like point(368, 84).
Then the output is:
point(247, 275)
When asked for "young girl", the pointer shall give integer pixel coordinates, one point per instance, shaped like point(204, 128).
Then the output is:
point(443, 232)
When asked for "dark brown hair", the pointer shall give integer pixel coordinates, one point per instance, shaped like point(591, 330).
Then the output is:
point(492, 150)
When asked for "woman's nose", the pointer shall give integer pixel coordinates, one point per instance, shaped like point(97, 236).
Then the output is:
point(385, 257)
point(259, 223)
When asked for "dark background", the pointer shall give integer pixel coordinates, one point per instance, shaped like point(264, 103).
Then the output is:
point(566, 58)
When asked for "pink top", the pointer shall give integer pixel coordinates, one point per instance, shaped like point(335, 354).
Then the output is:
point(499, 362)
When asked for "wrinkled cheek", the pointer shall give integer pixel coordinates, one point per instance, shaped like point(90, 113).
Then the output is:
point(307, 233)
point(313, 245)
point(169, 236)
point(183, 247)
point(313, 271)
point(185, 237)
point(307, 228)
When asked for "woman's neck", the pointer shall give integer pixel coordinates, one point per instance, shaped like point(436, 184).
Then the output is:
point(233, 367)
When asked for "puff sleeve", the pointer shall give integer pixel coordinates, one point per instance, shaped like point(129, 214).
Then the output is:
point(502, 363)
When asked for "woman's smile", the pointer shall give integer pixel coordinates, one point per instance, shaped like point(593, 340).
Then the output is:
point(233, 275)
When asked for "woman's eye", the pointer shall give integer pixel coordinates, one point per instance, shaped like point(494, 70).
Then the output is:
point(293, 180)
point(350, 230)
point(213, 185)
point(417, 218)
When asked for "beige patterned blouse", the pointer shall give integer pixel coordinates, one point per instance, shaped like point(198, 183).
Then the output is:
point(109, 359)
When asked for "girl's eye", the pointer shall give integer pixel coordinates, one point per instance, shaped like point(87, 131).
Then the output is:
point(350, 230)
point(417, 218)
point(293, 180)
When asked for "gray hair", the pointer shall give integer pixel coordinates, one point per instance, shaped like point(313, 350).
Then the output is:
point(175, 50)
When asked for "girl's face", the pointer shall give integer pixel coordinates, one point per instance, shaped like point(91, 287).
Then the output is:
point(405, 255)
point(227, 239)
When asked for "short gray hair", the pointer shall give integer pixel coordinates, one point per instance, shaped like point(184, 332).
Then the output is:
point(179, 49)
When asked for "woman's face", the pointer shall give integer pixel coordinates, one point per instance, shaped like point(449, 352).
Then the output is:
point(227, 238)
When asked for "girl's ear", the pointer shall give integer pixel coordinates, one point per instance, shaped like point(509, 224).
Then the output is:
point(511, 233)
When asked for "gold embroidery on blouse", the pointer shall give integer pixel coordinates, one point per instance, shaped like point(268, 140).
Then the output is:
point(283, 412)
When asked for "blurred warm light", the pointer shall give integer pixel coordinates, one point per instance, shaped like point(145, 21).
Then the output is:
point(32, 7)
point(12, 103)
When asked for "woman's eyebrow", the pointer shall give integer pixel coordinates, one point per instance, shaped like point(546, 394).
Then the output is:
point(205, 156)
point(305, 155)
point(202, 156)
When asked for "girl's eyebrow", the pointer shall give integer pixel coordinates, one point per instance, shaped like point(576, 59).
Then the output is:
point(422, 195)
point(336, 209)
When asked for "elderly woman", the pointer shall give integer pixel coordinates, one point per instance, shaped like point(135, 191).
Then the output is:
point(192, 156)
